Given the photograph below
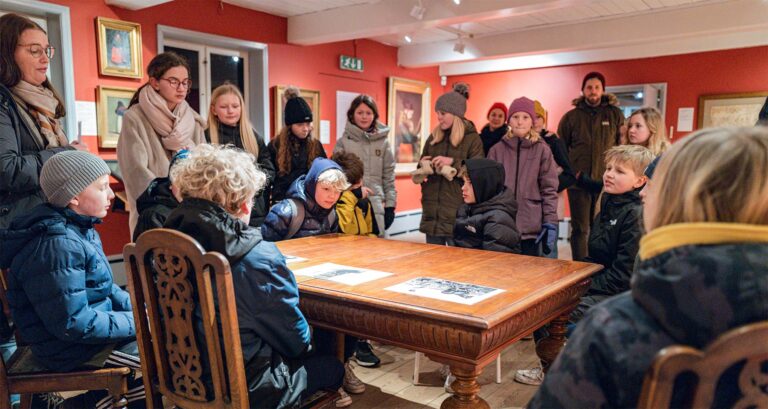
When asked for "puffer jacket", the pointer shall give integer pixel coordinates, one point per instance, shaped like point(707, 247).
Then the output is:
point(22, 155)
point(278, 190)
point(695, 282)
point(154, 206)
point(440, 198)
point(60, 287)
point(490, 138)
point(317, 220)
point(534, 181)
point(274, 333)
point(378, 162)
point(588, 132)
point(488, 224)
point(355, 215)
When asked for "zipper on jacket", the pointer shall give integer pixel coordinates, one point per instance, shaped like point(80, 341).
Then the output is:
point(517, 166)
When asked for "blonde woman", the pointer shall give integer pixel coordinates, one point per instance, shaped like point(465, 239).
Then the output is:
point(702, 273)
point(228, 124)
point(646, 128)
point(453, 140)
point(531, 173)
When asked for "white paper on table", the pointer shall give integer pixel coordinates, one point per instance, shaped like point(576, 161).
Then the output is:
point(325, 131)
point(685, 119)
point(85, 115)
point(445, 290)
point(341, 274)
point(293, 259)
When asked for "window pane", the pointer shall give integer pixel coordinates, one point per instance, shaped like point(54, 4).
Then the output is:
point(227, 68)
point(193, 58)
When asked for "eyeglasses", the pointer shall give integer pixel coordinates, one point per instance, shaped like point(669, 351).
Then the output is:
point(175, 82)
point(37, 50)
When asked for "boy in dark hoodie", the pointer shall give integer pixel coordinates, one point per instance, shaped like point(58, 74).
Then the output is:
point(487, 219)
point(157, 202)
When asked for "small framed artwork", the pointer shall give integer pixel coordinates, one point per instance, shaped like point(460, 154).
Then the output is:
point(313, 99)
point(110, 108)
point(740, 109)
point(408, 116)
point(119, 48)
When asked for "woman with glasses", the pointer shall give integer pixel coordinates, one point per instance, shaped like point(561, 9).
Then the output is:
point(30, 115)
point(158, 123)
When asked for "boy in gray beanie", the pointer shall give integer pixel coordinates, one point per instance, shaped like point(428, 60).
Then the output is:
point(60, 288)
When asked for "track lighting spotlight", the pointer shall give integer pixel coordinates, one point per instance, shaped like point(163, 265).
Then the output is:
point(407, 38)
point(418, 11)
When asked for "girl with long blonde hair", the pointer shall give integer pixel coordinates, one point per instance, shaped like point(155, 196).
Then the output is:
point(645, 127)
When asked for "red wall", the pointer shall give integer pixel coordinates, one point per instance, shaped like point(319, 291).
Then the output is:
point(687, 76)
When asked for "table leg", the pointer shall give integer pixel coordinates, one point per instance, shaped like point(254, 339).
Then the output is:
point(466, 389)
point(340, 346)
point(549, 347)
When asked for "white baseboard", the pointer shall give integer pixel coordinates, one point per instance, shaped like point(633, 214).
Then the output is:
point(405, 222)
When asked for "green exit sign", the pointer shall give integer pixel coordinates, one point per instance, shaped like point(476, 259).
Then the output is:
point(350, 63)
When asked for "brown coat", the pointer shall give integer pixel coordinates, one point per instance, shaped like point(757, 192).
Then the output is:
point(440, 199)
point(589, 132)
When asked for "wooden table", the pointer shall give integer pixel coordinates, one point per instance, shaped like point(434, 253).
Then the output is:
point(466, 337)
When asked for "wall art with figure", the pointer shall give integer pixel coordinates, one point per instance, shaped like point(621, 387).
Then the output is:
point(408, 118)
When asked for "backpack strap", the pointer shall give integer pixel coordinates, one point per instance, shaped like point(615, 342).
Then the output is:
point(297, 217)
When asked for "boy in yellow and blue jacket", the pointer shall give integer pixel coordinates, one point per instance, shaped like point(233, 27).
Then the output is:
point(353, 209)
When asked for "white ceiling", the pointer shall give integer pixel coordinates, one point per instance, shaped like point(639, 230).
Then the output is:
point(290, 8)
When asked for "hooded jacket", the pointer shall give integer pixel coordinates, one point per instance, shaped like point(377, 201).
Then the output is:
point(273, 331)
point(588, 132)
point(488, 224)
point(531, 173)
point(696, 281)
point(490, 138)
point(299, 166)
point(440, 198)
point(154, 206)
point(378, 164)
point(60, 287)
point(317, 220)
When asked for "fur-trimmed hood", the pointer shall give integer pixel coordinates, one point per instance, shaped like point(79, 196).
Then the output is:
point(607, 99)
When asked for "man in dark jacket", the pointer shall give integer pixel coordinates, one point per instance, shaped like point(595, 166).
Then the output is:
point(589, 130)
point(487, 219)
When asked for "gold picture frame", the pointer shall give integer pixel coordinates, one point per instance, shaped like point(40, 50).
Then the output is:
point(111, 104)
point(739, 109)
point(313, 99)
point(408, 114)
point(119, 48)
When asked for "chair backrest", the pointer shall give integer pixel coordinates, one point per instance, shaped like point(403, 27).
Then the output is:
point(171, 275)
point(747, 344)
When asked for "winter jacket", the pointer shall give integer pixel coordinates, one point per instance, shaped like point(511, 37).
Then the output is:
point(378, 164)
point(142, 157)
point(533, 182)
point(230, 135)
point(317, 220)
point(22, 155)
point(60, 287)
point(490, 138)
point(488, 224)
point(565, 176)
point(154, 206)
point(273, 331)
point(614, 240)
point(696, 281)
point(356, 215)
point(299, 166)
point(588, 132)
point(440, 198)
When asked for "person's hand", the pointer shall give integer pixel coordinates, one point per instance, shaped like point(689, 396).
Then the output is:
point(547, 237)
point(440, 161)
point(79, 145)
point(389, 217)
point(366, 191)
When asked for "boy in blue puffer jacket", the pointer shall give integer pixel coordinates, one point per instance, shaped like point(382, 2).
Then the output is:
point(60, 287)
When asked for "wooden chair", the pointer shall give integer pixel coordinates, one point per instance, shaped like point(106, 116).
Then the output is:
point(747, 343)
point(24, 375)
point(169, 273)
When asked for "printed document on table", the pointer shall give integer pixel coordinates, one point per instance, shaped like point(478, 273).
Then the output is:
point(293, 259)
point(445, 290)
point(341, 274)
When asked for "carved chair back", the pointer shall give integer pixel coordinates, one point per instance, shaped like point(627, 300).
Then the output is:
point(181, 288)
point(747, 345)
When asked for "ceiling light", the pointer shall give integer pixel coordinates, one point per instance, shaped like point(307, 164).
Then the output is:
point(459, 47)
point(457, 2)
point(408, 39)
point(418, 11)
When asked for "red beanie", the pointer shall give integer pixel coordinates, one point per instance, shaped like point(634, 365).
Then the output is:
point(497, 105)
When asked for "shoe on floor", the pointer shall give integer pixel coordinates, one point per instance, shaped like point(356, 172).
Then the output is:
point(533, 376)
point(448, 381)
point(445, 372)
point(343, 400)
point(352, 383)
point(364, 355)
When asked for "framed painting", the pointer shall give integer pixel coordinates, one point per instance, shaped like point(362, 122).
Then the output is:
point(112, 102)
point(313, 99)
point(740, 109)
point(408, 116)
point(119, 48)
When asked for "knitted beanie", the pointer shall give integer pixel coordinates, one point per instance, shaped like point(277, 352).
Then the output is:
point(522, 104)
point(539, 109)
point(296, 108)
point(497, 105)
point(591, 75)
point(454, 102)
point(68, 173)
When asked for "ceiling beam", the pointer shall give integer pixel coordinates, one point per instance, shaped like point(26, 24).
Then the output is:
point(393, 17)
point(669, 32)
